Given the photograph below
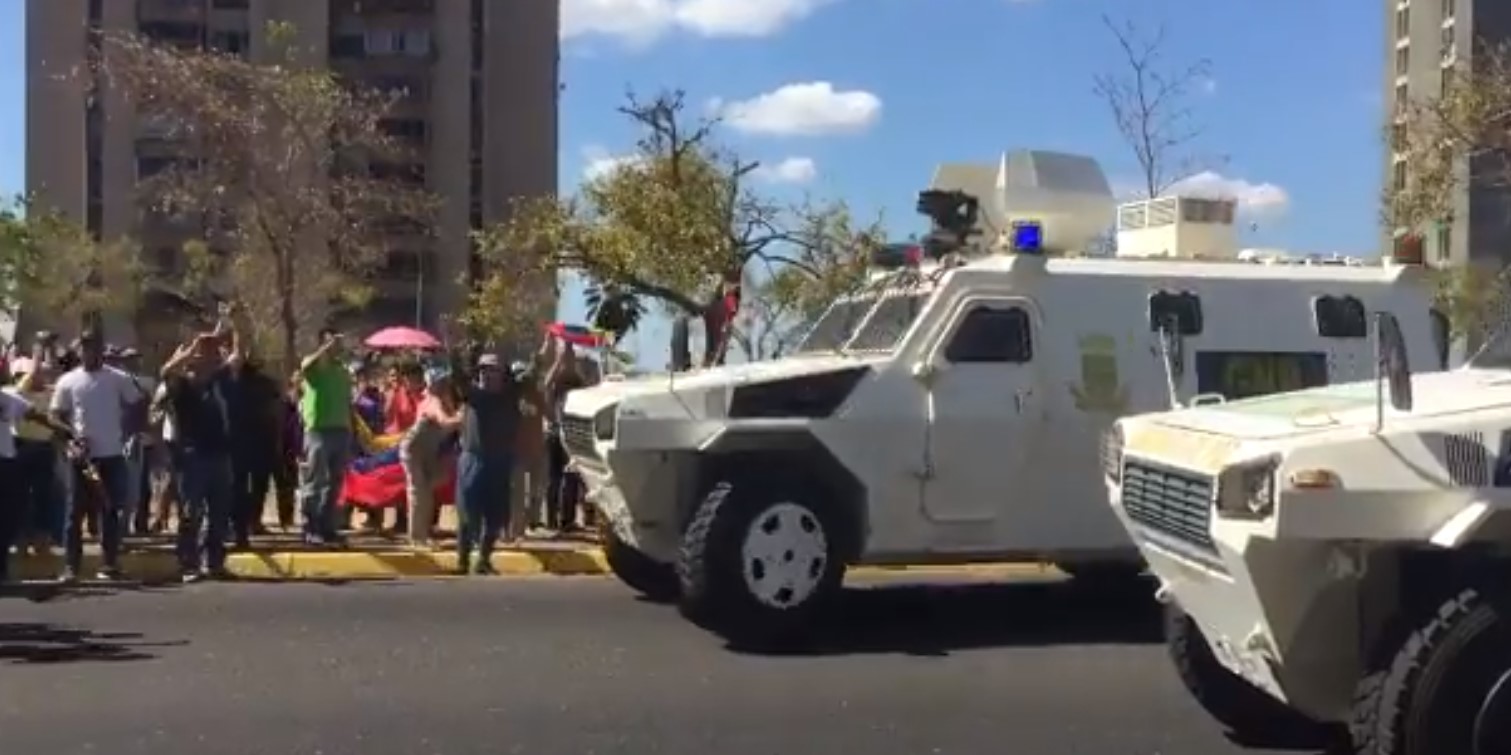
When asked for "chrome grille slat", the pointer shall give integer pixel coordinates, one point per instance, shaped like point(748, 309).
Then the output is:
point(1174, 505)
point(577, 436)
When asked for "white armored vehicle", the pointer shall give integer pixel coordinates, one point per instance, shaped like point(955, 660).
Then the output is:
point(1339, 557)
point(960, 416)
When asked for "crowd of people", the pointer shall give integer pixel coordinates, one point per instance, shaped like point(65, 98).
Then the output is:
point(100, 448)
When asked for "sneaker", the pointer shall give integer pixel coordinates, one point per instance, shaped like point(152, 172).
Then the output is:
point(109, 574)
point(485, 569)
point(191, 577)
point(68, 577)
point(219, 574)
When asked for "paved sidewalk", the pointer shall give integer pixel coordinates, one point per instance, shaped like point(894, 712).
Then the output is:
point(284, 556)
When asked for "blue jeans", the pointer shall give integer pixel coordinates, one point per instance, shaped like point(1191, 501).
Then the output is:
point(204, 508)
point(44, 489)
point(483, 487)
point(326, 454)
point(109, 495)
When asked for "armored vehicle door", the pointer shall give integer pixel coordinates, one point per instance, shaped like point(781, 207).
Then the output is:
point(979, 381)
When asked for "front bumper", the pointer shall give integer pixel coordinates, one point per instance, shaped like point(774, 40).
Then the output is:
point(1280, 614)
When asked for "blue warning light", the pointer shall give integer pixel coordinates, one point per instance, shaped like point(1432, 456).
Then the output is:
point(1028, 237)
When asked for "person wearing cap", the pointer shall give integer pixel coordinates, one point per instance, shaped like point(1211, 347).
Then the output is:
point(15, 409)
point(484, 469)
point(96, 400)
point(136, 512)
point(39, 454)
point(421, 453)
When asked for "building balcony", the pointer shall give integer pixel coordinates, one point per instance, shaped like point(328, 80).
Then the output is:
point(343, 8)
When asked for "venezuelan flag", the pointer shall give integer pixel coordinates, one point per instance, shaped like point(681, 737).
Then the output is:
point(375, 479)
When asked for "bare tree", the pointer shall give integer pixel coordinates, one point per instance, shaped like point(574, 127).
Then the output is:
point(1150, 105)
point(1444, 144)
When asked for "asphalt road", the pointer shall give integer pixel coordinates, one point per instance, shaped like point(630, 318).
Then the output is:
point(577, 666)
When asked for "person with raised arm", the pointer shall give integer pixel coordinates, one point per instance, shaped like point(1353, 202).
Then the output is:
point(198, 379)
point(325, 401)
point(15, 409)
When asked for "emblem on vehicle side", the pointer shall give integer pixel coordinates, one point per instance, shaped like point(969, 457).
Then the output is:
point(1099, 391)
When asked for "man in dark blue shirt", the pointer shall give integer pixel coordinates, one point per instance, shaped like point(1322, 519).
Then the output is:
point(198, 391)
point(485, 468)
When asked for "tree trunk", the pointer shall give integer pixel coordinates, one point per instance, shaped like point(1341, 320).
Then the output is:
point(288, 320)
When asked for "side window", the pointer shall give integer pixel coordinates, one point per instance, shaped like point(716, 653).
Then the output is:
point(1183, 308)
point(989, 335)
point(1340, 317)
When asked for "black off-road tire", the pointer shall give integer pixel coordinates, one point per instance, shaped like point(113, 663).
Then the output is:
point(643, 574)
point(711, 567)
point(1247, 711)
point(1430, 697)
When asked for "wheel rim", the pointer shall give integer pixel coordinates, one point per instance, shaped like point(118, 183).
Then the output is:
point(1492, 727)
point(785, 556)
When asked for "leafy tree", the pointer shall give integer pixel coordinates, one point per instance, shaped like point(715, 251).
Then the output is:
point(791, 298)
point(613, 309)
point(284, 167)
point(52, 265)
point(678, 223)
point(1445, 144)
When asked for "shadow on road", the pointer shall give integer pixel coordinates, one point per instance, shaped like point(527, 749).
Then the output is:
point(1328, 741)
point(932, 620)
point(48, 643)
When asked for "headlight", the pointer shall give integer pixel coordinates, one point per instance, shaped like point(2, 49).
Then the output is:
point(1112, 453)
point(1247, 491)
point(605, 422)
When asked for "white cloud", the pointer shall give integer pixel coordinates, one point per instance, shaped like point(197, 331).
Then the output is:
point(793, 170)
point(598, 161)
point(644, 21)
point(805, 109)
point(1253, 198)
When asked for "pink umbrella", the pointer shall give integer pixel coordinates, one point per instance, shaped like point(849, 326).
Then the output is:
point(402, 338)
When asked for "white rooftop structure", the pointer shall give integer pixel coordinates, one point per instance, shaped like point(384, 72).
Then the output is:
point(1068, 195)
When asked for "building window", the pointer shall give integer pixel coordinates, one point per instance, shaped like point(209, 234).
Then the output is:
point(1398, 175)
point(410, 42)
point(1450, 9)
point(174, 33)
point(229, 42)
point(1403, 22)
point(1450, 43)
point(230, 4)
point(410, 131)
point(1447, 85)
point(1445, 241)
point(348, 45)
point(1403, 61)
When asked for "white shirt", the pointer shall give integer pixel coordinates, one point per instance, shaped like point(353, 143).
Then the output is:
point(96, 403)
point(13, 409)
point(161, 394)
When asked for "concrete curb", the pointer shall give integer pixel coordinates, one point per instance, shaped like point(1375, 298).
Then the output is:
point(331, 565)
point(161, 566)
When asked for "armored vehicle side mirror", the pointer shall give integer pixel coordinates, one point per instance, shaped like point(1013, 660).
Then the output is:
point(1393, 363)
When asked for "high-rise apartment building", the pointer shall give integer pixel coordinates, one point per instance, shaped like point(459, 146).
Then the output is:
point(481, 78)
point(1427, 41)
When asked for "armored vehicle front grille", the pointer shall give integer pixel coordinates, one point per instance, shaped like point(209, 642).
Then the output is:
point(577, 436)
point(1172, 506)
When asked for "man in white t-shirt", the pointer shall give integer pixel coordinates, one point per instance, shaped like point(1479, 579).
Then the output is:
point(99, 402)
point(14, 409)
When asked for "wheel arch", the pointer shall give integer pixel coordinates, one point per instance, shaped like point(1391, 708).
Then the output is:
point(735, 454)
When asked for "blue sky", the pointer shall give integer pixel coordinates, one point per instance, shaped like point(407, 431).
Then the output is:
point(866, 96)
point(1294, 102)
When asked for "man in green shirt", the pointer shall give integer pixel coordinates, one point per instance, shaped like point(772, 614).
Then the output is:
point(325, 406)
